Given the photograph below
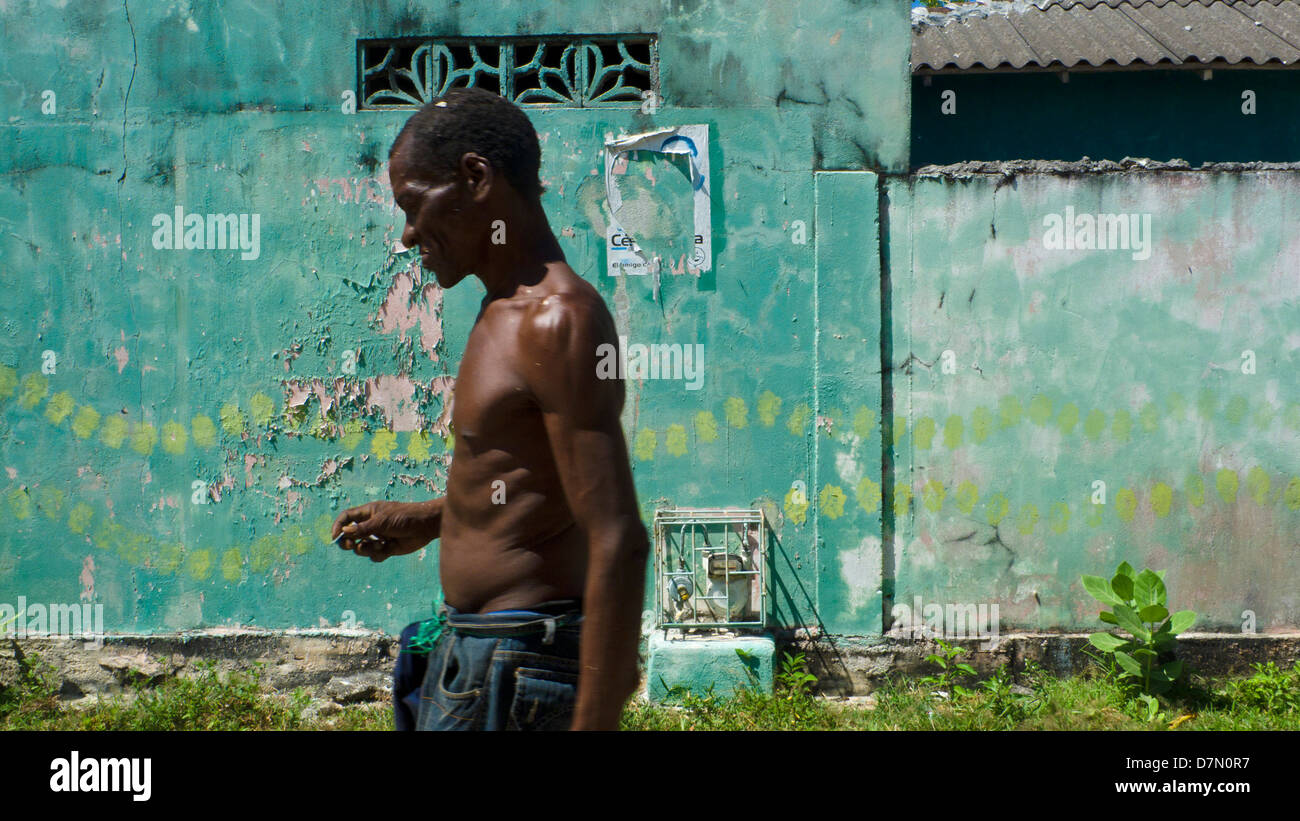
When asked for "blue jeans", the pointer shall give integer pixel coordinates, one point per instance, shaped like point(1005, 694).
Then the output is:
point(508, 670)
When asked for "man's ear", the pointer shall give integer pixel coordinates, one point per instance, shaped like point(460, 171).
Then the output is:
point(479, 175)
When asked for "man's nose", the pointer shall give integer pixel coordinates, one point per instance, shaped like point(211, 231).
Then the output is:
point(409, 239)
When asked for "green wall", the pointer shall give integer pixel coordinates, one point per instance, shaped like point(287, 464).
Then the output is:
point(172, 368)
point(1075, 366)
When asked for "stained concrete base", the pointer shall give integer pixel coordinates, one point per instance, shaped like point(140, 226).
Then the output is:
point(852, 666)
point(349, 666)
point(720, 665)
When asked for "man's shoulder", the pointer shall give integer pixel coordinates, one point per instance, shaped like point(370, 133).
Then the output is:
point(574, 313)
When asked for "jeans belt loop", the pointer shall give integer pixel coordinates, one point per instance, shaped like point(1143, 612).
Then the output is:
point(549, 638)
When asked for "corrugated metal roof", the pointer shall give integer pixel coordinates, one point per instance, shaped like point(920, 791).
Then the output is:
point(1037, 34)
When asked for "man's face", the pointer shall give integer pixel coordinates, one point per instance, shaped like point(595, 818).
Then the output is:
point(436, 218)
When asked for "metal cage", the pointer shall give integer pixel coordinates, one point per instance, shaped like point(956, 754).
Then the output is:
point(710, 568)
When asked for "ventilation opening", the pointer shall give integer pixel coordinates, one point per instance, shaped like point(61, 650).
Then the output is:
point(572, 72)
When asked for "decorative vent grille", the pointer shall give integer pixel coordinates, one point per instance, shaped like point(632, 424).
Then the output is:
point(573, 72)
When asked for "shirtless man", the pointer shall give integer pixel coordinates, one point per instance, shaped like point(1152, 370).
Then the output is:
point(560, 543)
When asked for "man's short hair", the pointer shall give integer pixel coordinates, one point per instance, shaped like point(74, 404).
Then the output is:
point(471, 119)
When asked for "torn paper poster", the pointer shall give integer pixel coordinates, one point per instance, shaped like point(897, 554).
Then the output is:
point(624, 254)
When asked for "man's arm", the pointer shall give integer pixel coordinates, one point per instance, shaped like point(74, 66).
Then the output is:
point(581, 414)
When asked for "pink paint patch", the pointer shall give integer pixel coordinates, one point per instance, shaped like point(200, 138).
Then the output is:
point(13, 472)
point(306, 146)
point(249, 461)
point(88, 578)
point(122, 357)
point(399, 312)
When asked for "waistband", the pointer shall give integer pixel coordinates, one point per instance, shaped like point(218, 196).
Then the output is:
point(544, 618)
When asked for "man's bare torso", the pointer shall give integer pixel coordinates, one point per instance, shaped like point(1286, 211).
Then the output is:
point(508, 535)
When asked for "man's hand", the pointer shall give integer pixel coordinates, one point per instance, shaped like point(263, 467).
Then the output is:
point(378, 530)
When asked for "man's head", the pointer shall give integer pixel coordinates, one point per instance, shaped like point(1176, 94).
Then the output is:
point(456, 154)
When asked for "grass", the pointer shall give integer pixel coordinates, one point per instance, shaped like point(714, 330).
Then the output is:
point(1267, 699)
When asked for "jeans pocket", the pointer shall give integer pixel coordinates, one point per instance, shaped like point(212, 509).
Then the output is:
point(544, 699)
point(451, 695)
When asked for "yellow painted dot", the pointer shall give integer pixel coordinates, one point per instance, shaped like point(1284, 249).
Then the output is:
point(1235, 410)
point(353, 433)
point(85, 422)
point(113, 433)
point(997, 508)
point(33, 391)
point(1027, 519)
point(20, 505)
point(952, 432)
point(134, 546)
point(296, 540)
point(706, 426)
point(966, 495)
point(923, 433)
point(1040, 409)
point(108, 535)
point(1206, 403)
point(1060, 519)
point(1177, 405)
point(1263, 416)
point(1009, 411)
point(1068, 419)
point(1195, 489)
point(49, 500)
point(864, 422)
point(417, 445)
point(1092, 512)
point(448, 442)
point(902, 500)
point(769, 407)
point(232, 419)
point(868, 493)
point(647, 441)
point(736, 412)
point(261, 554)
point(8, 381)
point(59, 407)
point(261, 407)
point(199, 564)
point(383, 443)
point(205, 433)
point(1122, 426)
point(981, 423)
point(1292, 416)
point(1162, 499)
point(79, 517)
point(1126, 503)
point(231, 565)
point(796, 505)
point(1094, 424)
point(143, 438)
point(169, 557)
point(900, 428)
point(323, 527)
point(1225, 482)
point(1149, 417)
point(1292, 494)
point(932, 495)
point(798, 422)
point(1258, 484)
point(831, 501)
point(675, 440)
point(174, 437)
